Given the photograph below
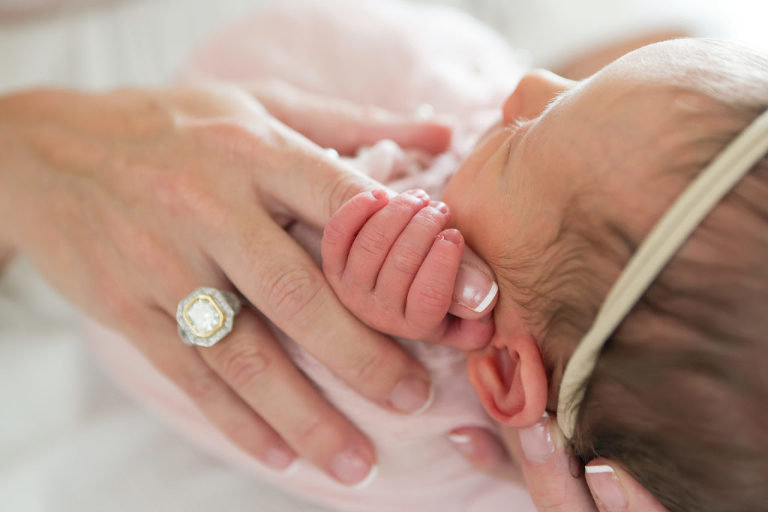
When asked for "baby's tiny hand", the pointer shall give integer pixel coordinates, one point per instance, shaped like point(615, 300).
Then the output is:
point(392, 263)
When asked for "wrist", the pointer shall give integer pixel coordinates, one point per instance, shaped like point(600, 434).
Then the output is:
point(19, 166)
point(7, 185)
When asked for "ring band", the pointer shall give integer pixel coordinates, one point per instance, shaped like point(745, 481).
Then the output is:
point(206, 316)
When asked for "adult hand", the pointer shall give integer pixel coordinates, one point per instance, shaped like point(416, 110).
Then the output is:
point(128, 201)
point(555, 479)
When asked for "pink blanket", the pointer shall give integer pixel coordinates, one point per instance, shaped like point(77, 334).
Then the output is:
point(396, 56)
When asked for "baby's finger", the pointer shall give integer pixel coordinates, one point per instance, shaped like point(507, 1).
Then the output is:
point(432, 290)
point(341, 230)
point(465, 333)
point(374, 241)
point(408, 254)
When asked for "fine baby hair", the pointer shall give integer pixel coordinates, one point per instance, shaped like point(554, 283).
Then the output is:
point(679, 391)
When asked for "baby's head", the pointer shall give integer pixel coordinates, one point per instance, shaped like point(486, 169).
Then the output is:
point(558, 197)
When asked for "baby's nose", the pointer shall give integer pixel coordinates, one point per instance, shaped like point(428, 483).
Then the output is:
point(533, 93)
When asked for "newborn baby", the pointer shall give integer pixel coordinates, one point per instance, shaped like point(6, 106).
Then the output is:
point(556, 198)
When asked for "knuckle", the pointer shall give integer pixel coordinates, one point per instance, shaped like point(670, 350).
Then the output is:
point(407, 260)
point(373, 366)
point(200, 387)
point(244, 365)
point(313, 430)
point(431, 296)
point(428, 219)
point(373, 241)
point(333, 233)
point(293, 290)
point(339, 191)
point(188, 196)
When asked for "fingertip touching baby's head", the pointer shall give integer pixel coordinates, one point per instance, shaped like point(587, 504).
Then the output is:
point(557, 198)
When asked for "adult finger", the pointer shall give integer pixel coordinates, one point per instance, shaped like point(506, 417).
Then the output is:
point(184, 367)
point(616, 491)
point(281, 280)
point(346, 126)
point(475, 290)
point(485, 451)
point(549, 469)
point(260, 372)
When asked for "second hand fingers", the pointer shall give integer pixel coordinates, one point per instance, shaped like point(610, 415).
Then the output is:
point(292, 292)
point(251, 361)
point(215, 399)
point(547, 468)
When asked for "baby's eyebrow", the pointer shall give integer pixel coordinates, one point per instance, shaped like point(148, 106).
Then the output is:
point(555, 99)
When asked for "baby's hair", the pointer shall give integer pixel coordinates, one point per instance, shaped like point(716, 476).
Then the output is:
point(680, 392)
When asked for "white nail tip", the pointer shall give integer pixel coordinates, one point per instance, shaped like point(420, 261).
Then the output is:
point(459, 438)
point(427, 403)
point(365, 482)
point(598, 469)
point(292, 468)
point(488, 298)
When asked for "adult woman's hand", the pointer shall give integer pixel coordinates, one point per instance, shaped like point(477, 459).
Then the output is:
point(555, 479)
point(128, 201)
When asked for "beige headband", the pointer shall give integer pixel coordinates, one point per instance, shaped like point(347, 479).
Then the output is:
point(654, 253)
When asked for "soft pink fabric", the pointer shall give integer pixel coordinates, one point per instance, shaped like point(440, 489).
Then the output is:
point(395, 56)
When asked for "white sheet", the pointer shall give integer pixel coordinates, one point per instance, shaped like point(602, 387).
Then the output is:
point(69, 441)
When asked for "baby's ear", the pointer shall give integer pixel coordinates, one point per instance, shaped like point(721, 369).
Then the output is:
point(510, 381)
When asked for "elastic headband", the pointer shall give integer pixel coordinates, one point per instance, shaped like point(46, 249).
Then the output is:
point(674, 228)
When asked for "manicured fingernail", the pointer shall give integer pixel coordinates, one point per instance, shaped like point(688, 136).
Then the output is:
point(474, 289)
point(278, 457)
point(425, 111)
point(536, 441)
point(451, 235)
point(439, 206)
point(606, 488)
point(463, 443)
point(350, 468)
point(413, 395)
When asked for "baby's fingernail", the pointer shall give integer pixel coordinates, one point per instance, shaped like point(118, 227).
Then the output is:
point(379, 194)
point(439, 206)
point(413, 395)
point(536, 441)
point(278, 457)
point(418, 193)
point(451, 235)
point(606, 488)
point(473, 288)
point(351, 468)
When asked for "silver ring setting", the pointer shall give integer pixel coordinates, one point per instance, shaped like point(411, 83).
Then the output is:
point(206, 316)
